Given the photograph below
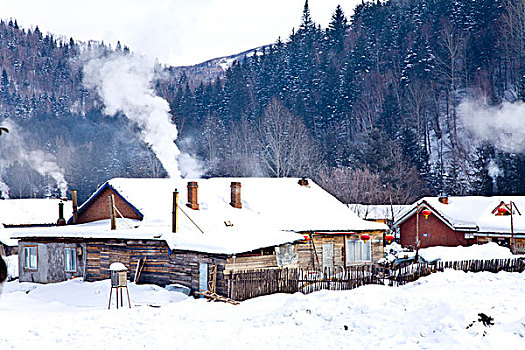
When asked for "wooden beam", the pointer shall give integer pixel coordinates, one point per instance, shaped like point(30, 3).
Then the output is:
point(75, 206)
point(174, 219)
point(112, 212)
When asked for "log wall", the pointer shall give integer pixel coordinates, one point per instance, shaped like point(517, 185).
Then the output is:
point(162, 265)
point(241, 263)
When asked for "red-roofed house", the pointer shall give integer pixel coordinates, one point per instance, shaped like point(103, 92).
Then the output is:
point(463, 221)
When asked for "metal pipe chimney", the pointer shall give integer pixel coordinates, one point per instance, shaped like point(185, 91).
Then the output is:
point(174, 216)
point(61, 221)
point(75, 206)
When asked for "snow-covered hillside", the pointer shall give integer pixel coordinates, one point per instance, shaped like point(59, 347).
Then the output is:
point(436, 312)
point(214, 68)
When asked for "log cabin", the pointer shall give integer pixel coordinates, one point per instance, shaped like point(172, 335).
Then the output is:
point(195, 233)
point(464, 221)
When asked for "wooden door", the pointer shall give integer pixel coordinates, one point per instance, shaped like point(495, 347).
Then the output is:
point(203, 276)
point(328, 255)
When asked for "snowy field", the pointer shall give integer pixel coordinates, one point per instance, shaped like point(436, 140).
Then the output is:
point(432, 313)
point(436, 312)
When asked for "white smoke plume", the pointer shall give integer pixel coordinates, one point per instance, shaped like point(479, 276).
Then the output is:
point(494, 171)
point(4, 190)
point(15, 145)
point(502, 126)
point(125, 84)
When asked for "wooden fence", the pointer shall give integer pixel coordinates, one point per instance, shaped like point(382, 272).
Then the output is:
point(244, 285)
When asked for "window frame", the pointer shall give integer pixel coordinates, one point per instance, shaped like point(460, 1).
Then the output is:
point(27, 257)
point(365, 251)
point(73, 251)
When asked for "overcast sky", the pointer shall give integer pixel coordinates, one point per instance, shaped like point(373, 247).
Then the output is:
point(178, 32)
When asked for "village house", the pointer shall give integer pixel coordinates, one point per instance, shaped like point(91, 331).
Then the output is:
point(386, 214)
point(463, 221)
point(23, 213)
point(199, 234)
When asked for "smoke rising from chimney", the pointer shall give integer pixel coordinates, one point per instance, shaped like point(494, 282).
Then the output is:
point(4, 190)
point(494, 171)
point(502, 126)
point(125, 84)
point(42, 162)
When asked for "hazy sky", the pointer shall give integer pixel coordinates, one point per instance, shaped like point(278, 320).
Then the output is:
point(178, 32)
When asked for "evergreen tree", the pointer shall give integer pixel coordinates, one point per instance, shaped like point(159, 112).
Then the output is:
point(337, 30)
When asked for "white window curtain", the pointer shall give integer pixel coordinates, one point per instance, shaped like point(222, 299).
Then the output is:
point(71, 259)
point(358, 251)
point(30, 258)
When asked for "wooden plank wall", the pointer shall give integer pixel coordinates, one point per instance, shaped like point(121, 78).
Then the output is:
point(307, 252)
point(102, 254)
point(162, 266)
point(184, 269)
point(251, 262)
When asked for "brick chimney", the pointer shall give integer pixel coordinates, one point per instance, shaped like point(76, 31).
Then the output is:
point(61, 221)
point(303, 182)
point(236, 195)
point(443, 200)
point(193, 202)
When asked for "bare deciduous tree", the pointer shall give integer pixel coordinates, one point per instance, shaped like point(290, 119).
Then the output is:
point(285, 145)
point(513, 40)
point(450, 61)
point(352, 185)
point(399, 183)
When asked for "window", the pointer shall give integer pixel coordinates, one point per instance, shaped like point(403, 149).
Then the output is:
point(71, 259)
point(31, 257)
point(357, 250)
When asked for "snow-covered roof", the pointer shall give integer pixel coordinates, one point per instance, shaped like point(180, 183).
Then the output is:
point(474, 213)
point(272, 211)
point(379, 212)
point(32, 211)
point(5, 237)
point(27, 212)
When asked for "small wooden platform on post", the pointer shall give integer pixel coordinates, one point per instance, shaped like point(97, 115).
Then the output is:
point(119, 281)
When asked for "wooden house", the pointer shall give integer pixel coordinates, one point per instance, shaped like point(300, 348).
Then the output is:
point(23, 213)
point(463, 221)
point(200, 233)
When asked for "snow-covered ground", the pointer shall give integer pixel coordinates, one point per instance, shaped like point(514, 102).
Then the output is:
point(485, 251)
point(433, 313)
point(12, 266)
point(478, 251)
point(436, 312)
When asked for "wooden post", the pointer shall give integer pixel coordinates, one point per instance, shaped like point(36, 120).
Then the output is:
point(110, 292)
point(511, 228)
point(417, 234)
point(112, 212)
point(75, 206)
point(214, 281)
point(174, 218)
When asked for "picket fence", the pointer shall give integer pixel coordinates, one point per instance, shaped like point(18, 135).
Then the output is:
point(243, 285)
